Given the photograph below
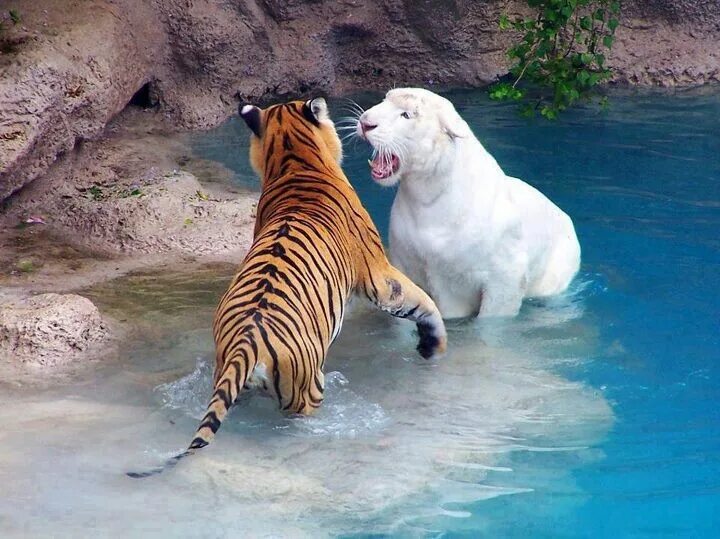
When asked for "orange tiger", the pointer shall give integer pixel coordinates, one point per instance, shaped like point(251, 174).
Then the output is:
point(315, 246)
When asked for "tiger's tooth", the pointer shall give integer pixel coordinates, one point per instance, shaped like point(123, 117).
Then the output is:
point(370, 163)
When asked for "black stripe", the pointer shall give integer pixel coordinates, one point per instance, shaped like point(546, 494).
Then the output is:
point(274, 358)
point(211, 421)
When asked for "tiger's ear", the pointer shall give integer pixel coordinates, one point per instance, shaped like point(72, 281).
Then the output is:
point(453, 125)
point(252, 117)
point(316, 110)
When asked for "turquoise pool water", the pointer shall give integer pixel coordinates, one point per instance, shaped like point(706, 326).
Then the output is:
point(642, 183)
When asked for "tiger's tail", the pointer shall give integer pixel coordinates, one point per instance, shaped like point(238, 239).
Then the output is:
point(227, 388)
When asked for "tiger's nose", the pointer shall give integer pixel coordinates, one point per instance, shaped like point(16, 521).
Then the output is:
point(365, 126)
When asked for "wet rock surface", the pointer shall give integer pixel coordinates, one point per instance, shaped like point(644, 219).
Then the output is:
point(50, 330)
point(126, 194)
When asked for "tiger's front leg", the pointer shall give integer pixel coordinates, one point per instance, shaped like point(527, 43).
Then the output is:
point(394, 293)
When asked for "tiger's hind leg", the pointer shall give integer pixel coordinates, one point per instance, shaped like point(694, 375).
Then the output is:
point(308, 394)
point(394, 293)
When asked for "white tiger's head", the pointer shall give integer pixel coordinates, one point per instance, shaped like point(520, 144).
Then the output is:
point(412, 132)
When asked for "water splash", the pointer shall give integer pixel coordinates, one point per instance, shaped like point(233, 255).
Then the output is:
point(344, 413)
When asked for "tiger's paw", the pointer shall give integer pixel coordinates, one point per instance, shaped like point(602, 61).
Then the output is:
point(433, 341)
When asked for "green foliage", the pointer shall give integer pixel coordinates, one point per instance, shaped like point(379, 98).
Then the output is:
point(11, 15)
point(131, 191)
point(96, 193)
point(561, 52)
point(25, 265)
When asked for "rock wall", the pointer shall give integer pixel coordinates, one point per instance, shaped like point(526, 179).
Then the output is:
point(69, 68)
point(71, 65)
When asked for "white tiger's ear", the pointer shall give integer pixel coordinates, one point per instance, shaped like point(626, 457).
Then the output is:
point(453, 125)
point(317, 108)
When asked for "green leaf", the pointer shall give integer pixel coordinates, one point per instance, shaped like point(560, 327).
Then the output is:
point(585, 23)
point(499, 91)
point(615, 7)
point(504, 90)
point(608, 41)
point(594, 79)
point(549, 112)
point(527, 110)
point(505, 22)
point(95, 192)
point(612, 24)
point(14, 16)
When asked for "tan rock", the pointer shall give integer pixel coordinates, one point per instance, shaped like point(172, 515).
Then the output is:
point(48, 330)
point(76, 66)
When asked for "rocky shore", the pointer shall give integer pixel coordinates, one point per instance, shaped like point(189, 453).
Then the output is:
point(125, 202)
point(47, 330)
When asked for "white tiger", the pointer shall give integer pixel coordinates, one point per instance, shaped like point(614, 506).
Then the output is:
point(476, 240)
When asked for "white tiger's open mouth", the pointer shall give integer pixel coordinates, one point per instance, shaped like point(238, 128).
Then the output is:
point(383, 165)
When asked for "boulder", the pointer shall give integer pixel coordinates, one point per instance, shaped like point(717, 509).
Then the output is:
point(48, 330)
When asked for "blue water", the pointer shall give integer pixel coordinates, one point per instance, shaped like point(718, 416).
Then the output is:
point(642, 184)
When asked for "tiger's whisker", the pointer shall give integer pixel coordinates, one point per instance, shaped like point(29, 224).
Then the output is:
point(354, 106)
point(354, 112)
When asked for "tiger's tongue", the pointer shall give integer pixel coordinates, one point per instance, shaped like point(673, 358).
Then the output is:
point(382, 168)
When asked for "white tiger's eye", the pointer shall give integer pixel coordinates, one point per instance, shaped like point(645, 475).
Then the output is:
point(405, 115)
